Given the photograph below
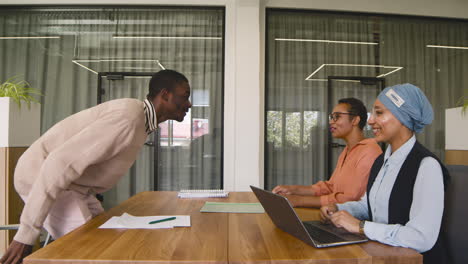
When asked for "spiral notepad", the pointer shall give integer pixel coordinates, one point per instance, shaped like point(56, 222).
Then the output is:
point(202, 193)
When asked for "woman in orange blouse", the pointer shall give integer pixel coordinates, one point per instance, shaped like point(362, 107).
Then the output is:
point(349, 180)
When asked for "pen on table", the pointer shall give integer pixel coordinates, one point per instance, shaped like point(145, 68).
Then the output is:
point(162, 220)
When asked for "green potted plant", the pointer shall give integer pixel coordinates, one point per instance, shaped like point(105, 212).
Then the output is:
point(456, 125)
point(19, 90)
point(463, 102)
point(19, 126)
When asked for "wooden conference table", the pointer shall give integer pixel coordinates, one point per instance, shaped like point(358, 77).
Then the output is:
point(212, 238)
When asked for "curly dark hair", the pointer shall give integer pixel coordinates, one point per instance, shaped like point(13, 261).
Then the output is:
point(165, 79)
point(357, 108)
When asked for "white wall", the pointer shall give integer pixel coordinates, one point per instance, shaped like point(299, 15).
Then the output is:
point(244, 64)
point(243, 163)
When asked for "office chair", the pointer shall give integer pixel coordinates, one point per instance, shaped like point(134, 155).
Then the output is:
point(16, 227)
point(456, 215)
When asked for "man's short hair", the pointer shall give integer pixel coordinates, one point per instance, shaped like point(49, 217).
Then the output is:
point(164, 79)
point(357, 108)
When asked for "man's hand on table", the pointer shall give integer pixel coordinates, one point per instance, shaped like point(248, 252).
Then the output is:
point(15, 253)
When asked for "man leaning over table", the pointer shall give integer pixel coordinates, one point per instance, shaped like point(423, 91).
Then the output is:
point(87, 153)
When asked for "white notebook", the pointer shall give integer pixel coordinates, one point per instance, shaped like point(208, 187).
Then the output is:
point(202, 193)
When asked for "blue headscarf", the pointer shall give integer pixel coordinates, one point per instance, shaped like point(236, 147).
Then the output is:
point(409, 105)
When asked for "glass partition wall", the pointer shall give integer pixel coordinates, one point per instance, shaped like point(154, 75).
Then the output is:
point(68, 52)
point(313, 58)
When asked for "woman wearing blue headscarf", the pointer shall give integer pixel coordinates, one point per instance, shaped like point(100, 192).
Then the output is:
point(404, 202)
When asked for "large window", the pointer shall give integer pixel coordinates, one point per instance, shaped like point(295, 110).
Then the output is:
point(306, 48)
point(69, 52)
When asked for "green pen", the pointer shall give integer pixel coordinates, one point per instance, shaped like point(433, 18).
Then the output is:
point(162, 220)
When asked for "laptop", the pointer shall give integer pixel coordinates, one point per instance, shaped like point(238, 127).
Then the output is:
point(314, 233)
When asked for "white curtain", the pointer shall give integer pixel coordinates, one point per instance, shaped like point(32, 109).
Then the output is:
point(296, 123)
point(87, 41)
point(296, 108)
point(441, 73)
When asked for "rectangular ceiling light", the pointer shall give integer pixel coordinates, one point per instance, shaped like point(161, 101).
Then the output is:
point(81, 65)
point(168, 37)
point(392, 68)
point(32, 37)
point(77, 62)
point(445, 47)
point(338, 80)
point(328, 41)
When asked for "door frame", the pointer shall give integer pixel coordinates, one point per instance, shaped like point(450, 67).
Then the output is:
point(364, 81)
point(116, 75)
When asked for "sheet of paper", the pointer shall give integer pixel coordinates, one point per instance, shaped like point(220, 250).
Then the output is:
point(112, 223)
point(214, 207)
point(142, 222)
point(202, 194)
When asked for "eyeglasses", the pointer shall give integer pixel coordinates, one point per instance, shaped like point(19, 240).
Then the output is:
point(336, 115)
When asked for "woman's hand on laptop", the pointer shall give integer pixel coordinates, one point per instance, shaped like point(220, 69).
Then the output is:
point(284, 189)
point(293, 189)
point(327, 211)
point(345, 220)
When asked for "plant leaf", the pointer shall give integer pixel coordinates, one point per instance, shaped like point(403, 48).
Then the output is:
point(19, 90)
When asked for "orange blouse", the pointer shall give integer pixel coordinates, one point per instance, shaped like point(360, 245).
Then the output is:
point(349, 180)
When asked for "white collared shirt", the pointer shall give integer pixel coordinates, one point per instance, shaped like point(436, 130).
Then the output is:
point(151, 123)
point(425, 217)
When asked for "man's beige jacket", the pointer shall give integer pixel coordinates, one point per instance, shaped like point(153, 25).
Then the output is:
point(86, 152)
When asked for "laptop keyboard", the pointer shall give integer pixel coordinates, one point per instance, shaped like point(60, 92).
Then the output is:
point(321, 235)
